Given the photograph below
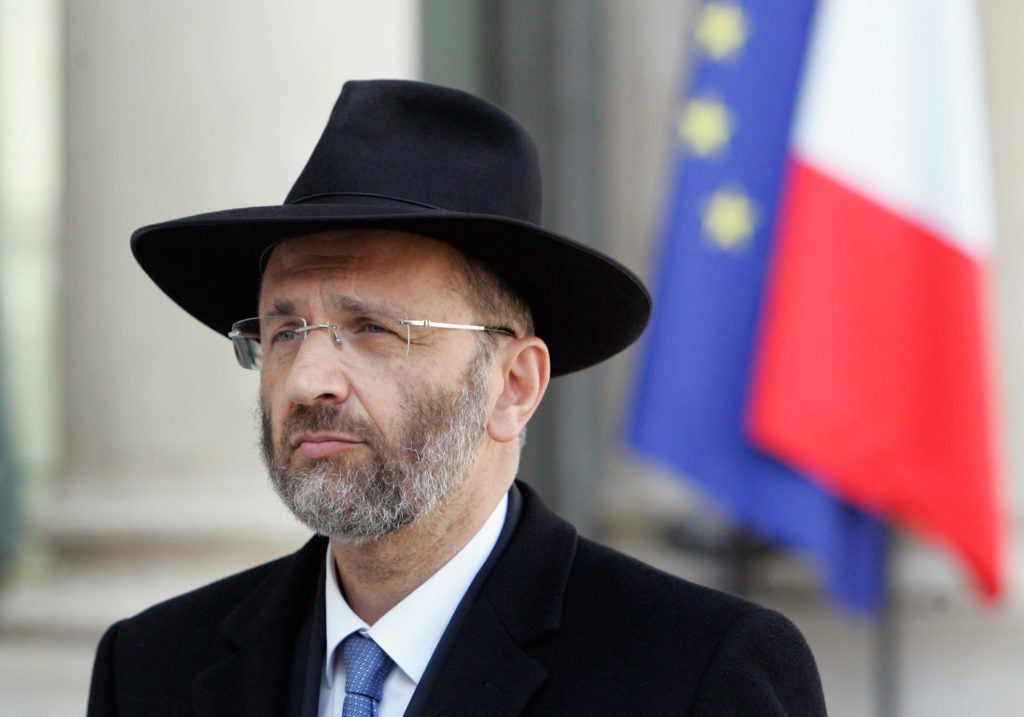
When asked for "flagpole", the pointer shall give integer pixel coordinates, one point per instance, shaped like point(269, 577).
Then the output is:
point(887, 643)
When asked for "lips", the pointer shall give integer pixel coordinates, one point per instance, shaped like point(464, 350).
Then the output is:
point(322, 445)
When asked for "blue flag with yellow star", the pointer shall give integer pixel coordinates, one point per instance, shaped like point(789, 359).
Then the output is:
point(691, 394)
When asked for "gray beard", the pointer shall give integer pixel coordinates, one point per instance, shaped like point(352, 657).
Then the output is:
point(403, 480)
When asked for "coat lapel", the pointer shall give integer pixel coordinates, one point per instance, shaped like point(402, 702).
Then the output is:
point(267, 659)
point(488, 669)
point(486, 666)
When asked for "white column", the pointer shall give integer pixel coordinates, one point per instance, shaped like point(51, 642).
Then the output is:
point(173, 109)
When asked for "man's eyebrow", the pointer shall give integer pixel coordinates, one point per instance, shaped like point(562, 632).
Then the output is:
point(346, 304)
point(283, 307)
point(351, 305)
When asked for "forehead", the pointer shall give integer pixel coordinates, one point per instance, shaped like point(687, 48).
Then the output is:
point(357, 260)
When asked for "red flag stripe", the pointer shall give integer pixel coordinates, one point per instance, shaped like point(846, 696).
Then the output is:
point(873, 371)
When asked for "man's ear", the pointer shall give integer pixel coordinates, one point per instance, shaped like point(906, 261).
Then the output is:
point(525, 372)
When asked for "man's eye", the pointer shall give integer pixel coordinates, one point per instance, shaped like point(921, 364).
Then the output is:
point(373, 327)
point(284, 336)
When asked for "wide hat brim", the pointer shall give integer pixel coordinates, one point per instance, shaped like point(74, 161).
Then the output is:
point(586, 306)
point(423, 159)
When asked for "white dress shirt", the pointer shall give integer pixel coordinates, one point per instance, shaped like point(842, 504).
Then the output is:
point(410, 631)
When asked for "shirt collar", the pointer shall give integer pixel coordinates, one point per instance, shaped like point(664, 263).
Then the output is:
point(410, 631)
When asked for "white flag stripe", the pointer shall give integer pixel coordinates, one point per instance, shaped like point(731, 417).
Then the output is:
point(892, 105)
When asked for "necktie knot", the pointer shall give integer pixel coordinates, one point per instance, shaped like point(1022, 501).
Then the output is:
point(366, 667)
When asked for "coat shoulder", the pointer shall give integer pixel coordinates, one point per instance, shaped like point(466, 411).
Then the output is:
point(696, 650)
point(153, 658)
point(204, 606)
point(647, 594)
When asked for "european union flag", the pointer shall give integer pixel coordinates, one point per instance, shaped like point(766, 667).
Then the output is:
point(691, 396)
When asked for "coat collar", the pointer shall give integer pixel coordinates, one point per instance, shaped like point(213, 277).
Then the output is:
point(487, 668)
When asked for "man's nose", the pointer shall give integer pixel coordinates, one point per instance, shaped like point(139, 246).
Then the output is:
point(317, 372)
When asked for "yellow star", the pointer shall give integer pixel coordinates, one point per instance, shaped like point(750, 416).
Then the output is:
point(706, 126)
point(730, 218)
point(722, 29)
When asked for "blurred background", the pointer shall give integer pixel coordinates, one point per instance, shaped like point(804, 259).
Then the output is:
point(128, 463)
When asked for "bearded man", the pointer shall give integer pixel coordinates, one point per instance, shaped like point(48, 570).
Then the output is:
point(406, 312)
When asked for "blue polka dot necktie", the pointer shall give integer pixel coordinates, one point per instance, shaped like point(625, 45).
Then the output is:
point(366, 666)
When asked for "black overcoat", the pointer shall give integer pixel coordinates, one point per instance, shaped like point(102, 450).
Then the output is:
point(556, 625)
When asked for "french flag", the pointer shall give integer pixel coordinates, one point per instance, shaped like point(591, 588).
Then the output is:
point(873, 366)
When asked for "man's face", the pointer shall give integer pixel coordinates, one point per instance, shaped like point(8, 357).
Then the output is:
point(361, 442)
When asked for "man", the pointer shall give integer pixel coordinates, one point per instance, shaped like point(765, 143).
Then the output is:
point(406, 311)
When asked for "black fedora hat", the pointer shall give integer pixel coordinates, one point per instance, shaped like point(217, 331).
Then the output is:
point(424, 159)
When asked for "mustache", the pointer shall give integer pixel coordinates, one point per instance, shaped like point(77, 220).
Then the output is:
point(323, 417)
